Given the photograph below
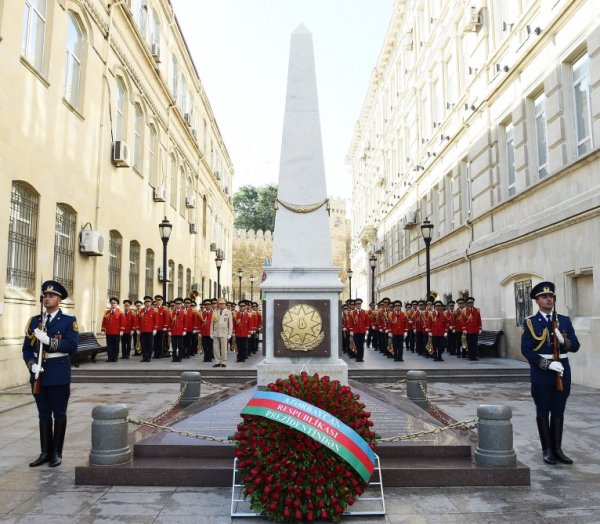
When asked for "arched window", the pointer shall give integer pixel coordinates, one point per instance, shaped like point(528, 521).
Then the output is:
point(134, 270)
point(120, 105)
point(173, 176)
point(138, 154)
point(152, 155)
point(73, 60)
point(149, 283)
point(179, 280)
point(22, 237)
point(64, 246)
point(115, 244)
point(34, 32)
point(171, 273)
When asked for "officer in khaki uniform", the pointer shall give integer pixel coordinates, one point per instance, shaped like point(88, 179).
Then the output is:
point(221, 328)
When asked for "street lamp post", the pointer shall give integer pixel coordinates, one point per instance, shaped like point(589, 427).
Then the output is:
point(373, 263)
point(219, 263)
point(349, 273)
point(427, 230)
point(165, 228)
point(240, 273)
point(251, 288)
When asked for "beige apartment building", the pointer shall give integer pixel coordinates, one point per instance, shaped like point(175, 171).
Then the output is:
point(484, 117)
point(252, 252)
point(105, 130)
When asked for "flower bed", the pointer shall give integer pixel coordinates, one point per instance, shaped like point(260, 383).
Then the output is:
point(289, 476)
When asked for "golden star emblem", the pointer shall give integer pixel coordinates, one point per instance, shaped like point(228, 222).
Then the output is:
point(301, 327)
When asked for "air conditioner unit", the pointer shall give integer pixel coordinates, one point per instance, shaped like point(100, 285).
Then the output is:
point(193, 229)
point(155, 52)
point(160, 274)
point(188, 119)
point(217, 175)
point(120, 154)
point(410, 219)
point(190, 202)
point(91, 243)
point(473, 21)
point(160, 194)
point(213, 246)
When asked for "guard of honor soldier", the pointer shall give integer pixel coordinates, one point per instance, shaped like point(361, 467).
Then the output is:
point(537, 342)
point(55, 335)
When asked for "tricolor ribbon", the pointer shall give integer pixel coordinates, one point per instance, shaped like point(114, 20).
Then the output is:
point(318, 424)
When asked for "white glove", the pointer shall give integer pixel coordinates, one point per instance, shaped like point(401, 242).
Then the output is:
point(120, 333)
point(41, 336)
point(430, 334)
point(211, 337)
point(228, 337)
point(559, 336)
point(351, 333)
point(184, 333)
point(138, 332)
point(405, 336)
point(445, 335)
point(556, 366)
point(390, 335)
point(36, 368)
point(414, 331)
point(153, 332)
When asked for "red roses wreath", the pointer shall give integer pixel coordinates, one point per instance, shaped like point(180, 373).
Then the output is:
point(290, 477)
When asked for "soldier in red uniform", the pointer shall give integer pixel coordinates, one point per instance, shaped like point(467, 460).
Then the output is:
point(398, 329)
point(136, 338)
point(162, 322)
point(451, 319)
point(188, 339)
point(371, 316)
point(257, 326)
point(204, 321)
point(113, 329)
point(458, 328)
point(242, 329)
point(128, 326)
point(419, 328)
point(472, 327)
point(176, 327)
point(147, 328)
point(437, 329)
point(345, 329)
point(359, 323)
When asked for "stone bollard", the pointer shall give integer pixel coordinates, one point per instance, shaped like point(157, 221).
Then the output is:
point(110, 443)
point(190, 386)
point(495, 444)
point(414, 392)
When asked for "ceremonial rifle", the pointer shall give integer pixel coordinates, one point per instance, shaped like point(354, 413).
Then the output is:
point(37, 384)
point(555, 348)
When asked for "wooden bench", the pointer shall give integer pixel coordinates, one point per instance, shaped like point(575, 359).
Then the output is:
point(87, 345)
point(488, 343)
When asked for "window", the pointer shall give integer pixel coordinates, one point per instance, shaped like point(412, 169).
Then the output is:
point(523, 304)
point(22, 237)
point(155, 29)
point(173, 175)
point(450, 219)
point(114, 264)
point(182, 191)
point(138, 154)
point(142, 17)
point(180, 280)
point(73, 60)
point(34, 32)
point(64, 246)
point(188, 282)
point(134, 270)
point(581, 93)
point(174, 76)
point(465, 190)
point(121, 101)
point(171, 272)
point(152, 158)
point(183, 96)
point(540, 135)
point(149, 281)
point(204, 212)
point(189, 191)
point(510, 159)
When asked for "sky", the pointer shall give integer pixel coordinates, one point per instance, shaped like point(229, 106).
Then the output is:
point(241, 52)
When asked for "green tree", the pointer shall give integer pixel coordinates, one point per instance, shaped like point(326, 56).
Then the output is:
point(254, 207)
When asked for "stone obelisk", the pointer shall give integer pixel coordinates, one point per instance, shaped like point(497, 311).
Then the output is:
point(302, 287)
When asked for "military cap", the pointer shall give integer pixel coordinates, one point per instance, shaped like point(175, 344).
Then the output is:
point(414, 302)
point(438, 303)
point(114, 299)
point(470, 299)
point(138, 302)
point(127, 301)
point(158, 297)
point(178, 300)
point(451, 302)
point(242, 303)
point(543, 288)
point(386, 300)
point(345, 306)
point(421, 303)
point(460, 300)
point(194, 303)
point(254, 304)
point(358, 300)
point(429, 301)
point(206, 302)
point(372, 304)
point(187, 300)
point(55, 288)
point(148, 297)
point(221, 301)
point(398, 303)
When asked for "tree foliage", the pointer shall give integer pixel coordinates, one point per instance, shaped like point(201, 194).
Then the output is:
point(254, 207)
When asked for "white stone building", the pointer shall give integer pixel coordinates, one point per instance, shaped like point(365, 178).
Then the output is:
point(105, 129)
point(484, 117)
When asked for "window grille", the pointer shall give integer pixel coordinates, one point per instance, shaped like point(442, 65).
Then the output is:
point(180, 280)
point(64, 246)
point(523, 304)
point(149, 284)
point(134, 270)
point(22, 237)
point(188, 282)
point(170, 286)
point(115, 244)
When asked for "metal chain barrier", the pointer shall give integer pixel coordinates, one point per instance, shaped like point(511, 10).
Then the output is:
point(462, 425)
point(431, 405)
point(216, 386)
point(392, 385)
point(169, 429)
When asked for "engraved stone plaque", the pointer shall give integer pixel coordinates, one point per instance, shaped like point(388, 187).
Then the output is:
point(302, 328)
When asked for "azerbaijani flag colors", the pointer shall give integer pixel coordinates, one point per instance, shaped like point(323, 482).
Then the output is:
point(318, 424)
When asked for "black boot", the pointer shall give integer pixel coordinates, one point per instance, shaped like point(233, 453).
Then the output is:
point(556, 431)
point(45, 444)
point(544, 431)
point(60, 427)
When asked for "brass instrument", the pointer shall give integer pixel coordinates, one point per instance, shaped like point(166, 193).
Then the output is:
point(138, 346)
point(352, 345)
point(463, 341)
point(390, 346)
point(429, 346)
point(234, 344)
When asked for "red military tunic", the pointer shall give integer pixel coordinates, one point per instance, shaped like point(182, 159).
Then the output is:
point(450, 319)
point(162, 318)
point(147, 320)
point(471, 319)
point(359, 323)
point(190, 319)
point(130, 320)
point(177, 321)
point(204, 321)
point(437, 324)
point(420, 321)
point(111, 322)
point(242, 324)
point(398, 323)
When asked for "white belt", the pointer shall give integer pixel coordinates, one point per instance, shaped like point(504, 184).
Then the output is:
point(551, 357)
point(53, 355)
